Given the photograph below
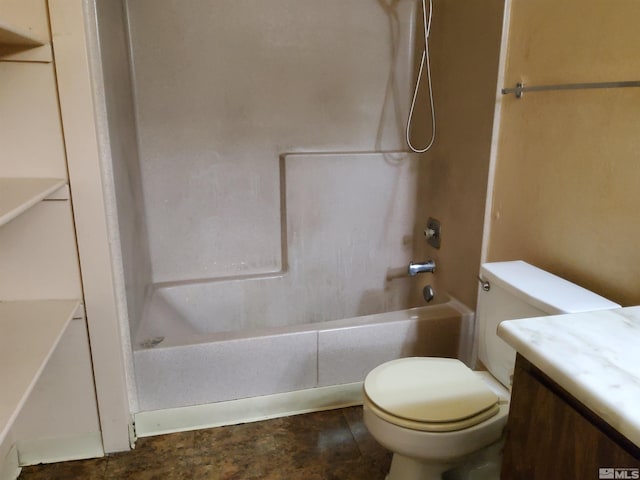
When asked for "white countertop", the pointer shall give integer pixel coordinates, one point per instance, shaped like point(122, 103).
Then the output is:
point(595, 356)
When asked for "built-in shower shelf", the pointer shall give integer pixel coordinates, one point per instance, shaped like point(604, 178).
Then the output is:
point(17, 195)
point(29, 333)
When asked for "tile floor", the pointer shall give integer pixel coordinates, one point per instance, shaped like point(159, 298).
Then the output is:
point(318, 446)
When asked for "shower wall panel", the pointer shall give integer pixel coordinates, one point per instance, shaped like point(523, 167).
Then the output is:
point(348, 246)
point(118, 100)
point(223, 88)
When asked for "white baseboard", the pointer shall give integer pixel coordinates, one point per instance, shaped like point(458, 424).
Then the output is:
point(247, 410)
point(51, 450)
point(9, 465)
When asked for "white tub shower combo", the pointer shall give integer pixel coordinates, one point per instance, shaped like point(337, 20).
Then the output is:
point(266, 206)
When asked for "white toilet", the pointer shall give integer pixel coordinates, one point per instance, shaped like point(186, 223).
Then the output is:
point(435, 414)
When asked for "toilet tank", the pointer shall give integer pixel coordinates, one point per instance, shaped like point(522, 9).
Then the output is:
point(520, 290)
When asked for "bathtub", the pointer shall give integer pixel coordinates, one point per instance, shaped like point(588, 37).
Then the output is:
point(178, 364)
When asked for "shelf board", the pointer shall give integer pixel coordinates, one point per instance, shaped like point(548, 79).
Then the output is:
point(29, 333)
point(20, 45)
point(15, 37)
point(17, 195)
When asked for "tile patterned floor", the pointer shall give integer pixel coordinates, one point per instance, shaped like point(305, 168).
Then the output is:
point(332, 445)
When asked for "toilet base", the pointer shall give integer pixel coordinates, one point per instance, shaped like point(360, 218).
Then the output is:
point(406, 468)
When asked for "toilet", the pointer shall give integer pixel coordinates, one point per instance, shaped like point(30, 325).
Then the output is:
point(436, 414)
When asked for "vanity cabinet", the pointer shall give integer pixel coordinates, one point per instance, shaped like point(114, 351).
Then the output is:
point(551, 435)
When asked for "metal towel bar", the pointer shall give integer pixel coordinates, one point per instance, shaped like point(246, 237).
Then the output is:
point(520, 88)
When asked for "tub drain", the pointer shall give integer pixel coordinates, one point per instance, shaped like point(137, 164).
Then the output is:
point(151, 342)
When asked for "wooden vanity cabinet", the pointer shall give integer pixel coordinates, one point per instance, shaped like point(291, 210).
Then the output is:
point(551, 435)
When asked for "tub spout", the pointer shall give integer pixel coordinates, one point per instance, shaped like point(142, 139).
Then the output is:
point(415, 268)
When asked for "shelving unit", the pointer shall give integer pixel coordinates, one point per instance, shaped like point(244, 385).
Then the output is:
point(41, 287)
point(17, 195)
point(31, 331)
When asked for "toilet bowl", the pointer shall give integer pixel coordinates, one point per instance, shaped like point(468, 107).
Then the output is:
point(443, 413)
point(436, 414)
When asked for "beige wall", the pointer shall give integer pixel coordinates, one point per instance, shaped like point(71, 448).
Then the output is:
point(465, 46)
point(566, 190)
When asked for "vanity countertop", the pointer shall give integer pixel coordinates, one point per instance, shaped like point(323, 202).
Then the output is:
point(594, 356)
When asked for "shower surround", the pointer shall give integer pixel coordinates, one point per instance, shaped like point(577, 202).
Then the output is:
point(317, 322)
point(266, 208)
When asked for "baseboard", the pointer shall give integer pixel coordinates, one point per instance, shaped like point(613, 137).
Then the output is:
point(9, 465)
point(247, 410)
point(51, 450)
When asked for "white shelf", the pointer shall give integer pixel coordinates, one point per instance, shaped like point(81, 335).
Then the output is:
point(20, 45)
point(15, 37)
point(29, 332)
point(17, 195)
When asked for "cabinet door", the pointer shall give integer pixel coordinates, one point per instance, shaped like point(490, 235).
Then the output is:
point(547, 438)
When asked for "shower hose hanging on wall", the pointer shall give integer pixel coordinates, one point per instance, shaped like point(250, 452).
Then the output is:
point(424, 62)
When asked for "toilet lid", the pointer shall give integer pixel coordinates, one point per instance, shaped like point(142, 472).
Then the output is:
point(429, 390)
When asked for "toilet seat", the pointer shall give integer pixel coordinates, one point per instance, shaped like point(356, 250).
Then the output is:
point(429, 394)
